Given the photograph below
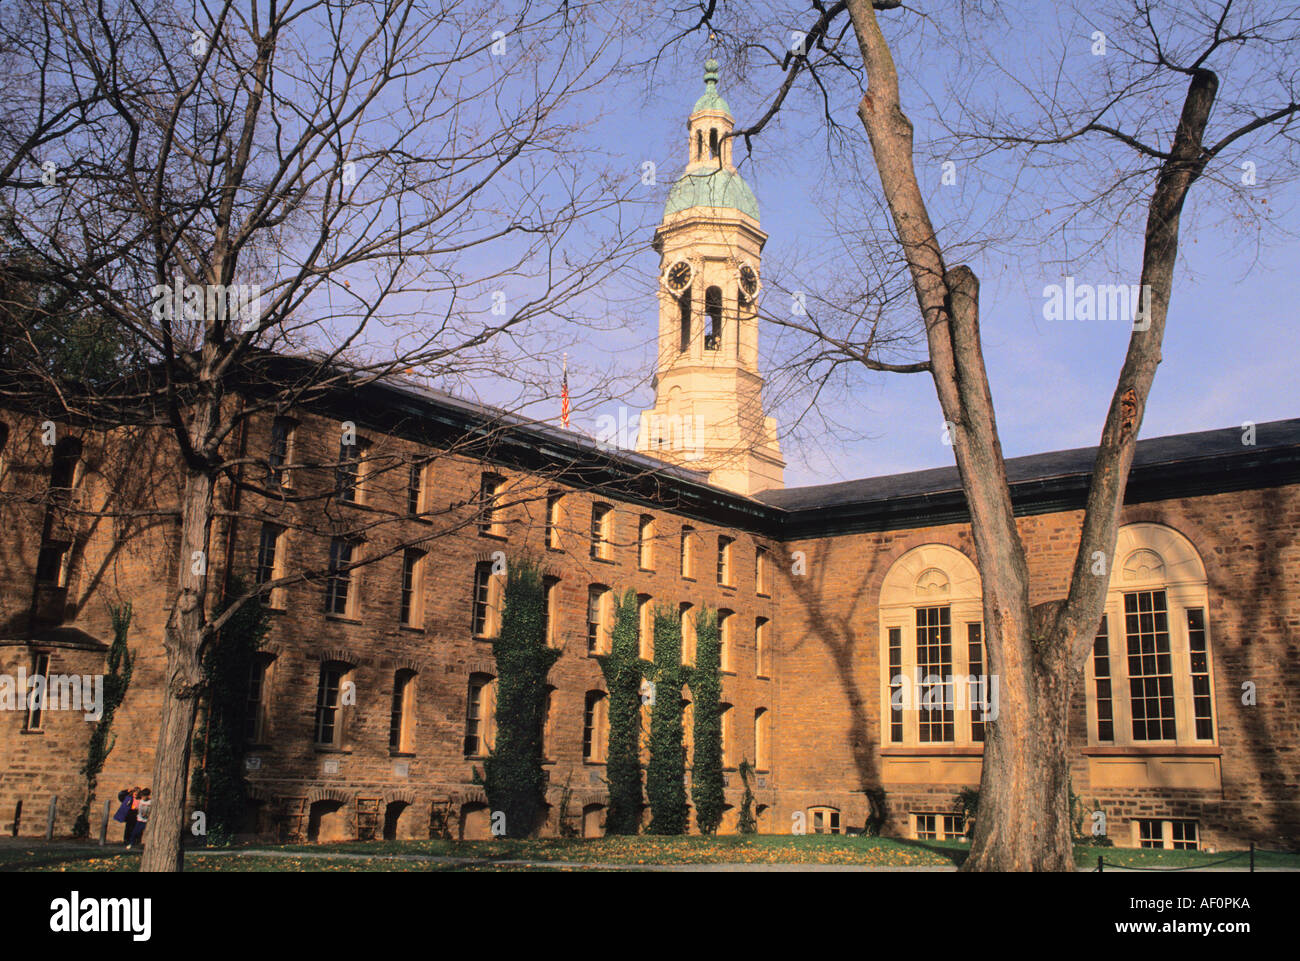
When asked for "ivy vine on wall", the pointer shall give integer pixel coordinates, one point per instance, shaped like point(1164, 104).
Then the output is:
point(622, 669)
point(666, 770)
point(514, 779)
point(218, 786)
point(707, 789)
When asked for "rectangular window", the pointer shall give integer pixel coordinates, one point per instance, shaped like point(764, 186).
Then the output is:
point(37, 694)
point(338, 584)
point(1184, 836)
point(327, 706)
point(1150, 666)
point(412, 575)
point(724, 560)
point(976, 685)
point(489, 493)
point(1150, 833)
point(645, 543)
point(268, 552)
point(688, 552)
point(601, 521)
point(896, 685)
point(553, 521)
point(255, 709)
point(550, 600)
point(1101, 671)
point(934, 665)
point(646, 627)
point(724, 640)
point(399, 738)
point(477, 717)
point(50, 566)
point(597, 627)
point(760, 646)
point(1200, 652)
point(762, 572)
point(939, 827)
point(415, 489)
point(348, 477)
point(278, 454)
point(486, 601)
point(825, 821)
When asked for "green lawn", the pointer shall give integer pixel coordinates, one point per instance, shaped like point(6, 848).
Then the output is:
point(567, 854)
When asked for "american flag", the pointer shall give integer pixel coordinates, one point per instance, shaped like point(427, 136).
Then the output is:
point(564, 395)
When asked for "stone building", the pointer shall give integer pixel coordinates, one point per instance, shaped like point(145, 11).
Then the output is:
point(371, 701)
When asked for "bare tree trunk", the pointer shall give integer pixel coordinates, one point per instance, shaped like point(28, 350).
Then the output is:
point(164, 838)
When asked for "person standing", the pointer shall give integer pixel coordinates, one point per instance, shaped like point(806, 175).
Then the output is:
point(142, 815)
point(126, 814)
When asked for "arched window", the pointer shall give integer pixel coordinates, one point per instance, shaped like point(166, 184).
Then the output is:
point(933, 690)
point(699, 144)
point(713, 143)
point(595, 727)
point(1151, 674)
point(684, 312)
point(713, 308)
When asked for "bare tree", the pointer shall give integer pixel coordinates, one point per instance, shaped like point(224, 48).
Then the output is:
point(384, 188)
point(1156, 112)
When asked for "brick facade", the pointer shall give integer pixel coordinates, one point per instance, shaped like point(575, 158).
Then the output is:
point(822, 688)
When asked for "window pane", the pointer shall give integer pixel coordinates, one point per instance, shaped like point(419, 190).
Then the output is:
point(934, 664)
point(1150, 666)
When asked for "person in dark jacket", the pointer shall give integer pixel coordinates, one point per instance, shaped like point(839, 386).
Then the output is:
point(126, 814)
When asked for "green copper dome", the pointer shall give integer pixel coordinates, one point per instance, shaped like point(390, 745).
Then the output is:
point(711, 187)
point(711, 99)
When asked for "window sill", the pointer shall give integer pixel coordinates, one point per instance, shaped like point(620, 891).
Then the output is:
point(557, 550)
point(484, 638)
point(327, 749)
point(766, 595)
point(593, 763)
point(932, 750)
point(762, 677)
point(604, 560)
point(1169, 750)
point(494, 537)
point(727, 587)
point(342, 619)
point(33, 731)
point(276, 610)
point(687, 577)
point(392, 753)
point(645, 570)
point(411, 629)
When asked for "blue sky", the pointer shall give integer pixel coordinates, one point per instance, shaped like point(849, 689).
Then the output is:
point(1230, 348)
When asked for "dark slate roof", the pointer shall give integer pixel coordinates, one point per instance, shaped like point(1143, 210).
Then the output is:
point(1207, 447)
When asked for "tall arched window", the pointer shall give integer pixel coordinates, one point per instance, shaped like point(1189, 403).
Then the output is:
point(1151, 674)
point(713, 143)
point(699, 144)
point(684, 312)
point(713, 308)
point(480, 715)
point(931, 645)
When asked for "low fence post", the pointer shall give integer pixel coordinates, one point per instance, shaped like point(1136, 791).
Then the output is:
point(103, 828)
point(49, 824)
point(1099, 868)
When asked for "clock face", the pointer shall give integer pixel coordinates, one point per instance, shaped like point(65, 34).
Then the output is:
point(679, 276)
point(748, 280)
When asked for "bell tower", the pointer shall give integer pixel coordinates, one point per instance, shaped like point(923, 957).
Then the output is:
point(708, 411)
